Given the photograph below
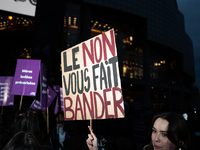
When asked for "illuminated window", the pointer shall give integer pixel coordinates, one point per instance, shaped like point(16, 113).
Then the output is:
point(158, 65)
point(133, 64)
point(69, 20)
point(99, 27)
point(71, 24)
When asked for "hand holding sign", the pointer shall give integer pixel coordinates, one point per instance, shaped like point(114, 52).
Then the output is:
point(92, 140)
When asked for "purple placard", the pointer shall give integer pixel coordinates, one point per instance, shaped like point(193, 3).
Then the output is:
point(57, 102)
point(6, 99)
point(36, 105)
point(51, 97)
point(61, 99)
point(56, 106)
point(26, 77)
point(43, 86)
point(56, 88)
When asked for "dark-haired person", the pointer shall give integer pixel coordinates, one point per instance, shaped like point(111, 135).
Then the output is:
point(23, 141)
point(169, 132)
point(57, 133)
point(33, 121)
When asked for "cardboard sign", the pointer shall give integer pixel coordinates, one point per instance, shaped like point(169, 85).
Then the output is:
point(6, 99)
point(61, 99)
point(90, 80)
point(38, 104)
point(26, 77)
point(56, 106)
point(57, 102)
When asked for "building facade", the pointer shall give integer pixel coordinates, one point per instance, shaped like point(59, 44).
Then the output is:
point(155, 54)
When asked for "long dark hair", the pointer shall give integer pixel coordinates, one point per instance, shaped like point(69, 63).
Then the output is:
point(177, 133)
point(30, 120)
point(23, 141)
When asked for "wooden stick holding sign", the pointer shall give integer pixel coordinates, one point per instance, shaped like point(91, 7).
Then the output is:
point(47, 120)
point(90, 125)
point(20, 105)
point(47, 112)
point(91, 129)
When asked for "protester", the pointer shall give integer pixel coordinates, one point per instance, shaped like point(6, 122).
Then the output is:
point(33, 121)
point(57, 133)
point(23, 141)
point(169, 132)
point(40, 129)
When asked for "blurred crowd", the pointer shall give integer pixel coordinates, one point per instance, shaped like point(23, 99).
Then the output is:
point(31, 130)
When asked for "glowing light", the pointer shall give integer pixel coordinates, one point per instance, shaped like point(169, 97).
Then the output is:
point(131, 38)
point(10, 17)
point(124, 70)
point(98, 31)
point(69, 20)
point(157, 64)
point(75, 27)
point(75, 19)
point(162, 62)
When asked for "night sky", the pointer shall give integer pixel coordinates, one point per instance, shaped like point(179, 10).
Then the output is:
point(191, 11)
